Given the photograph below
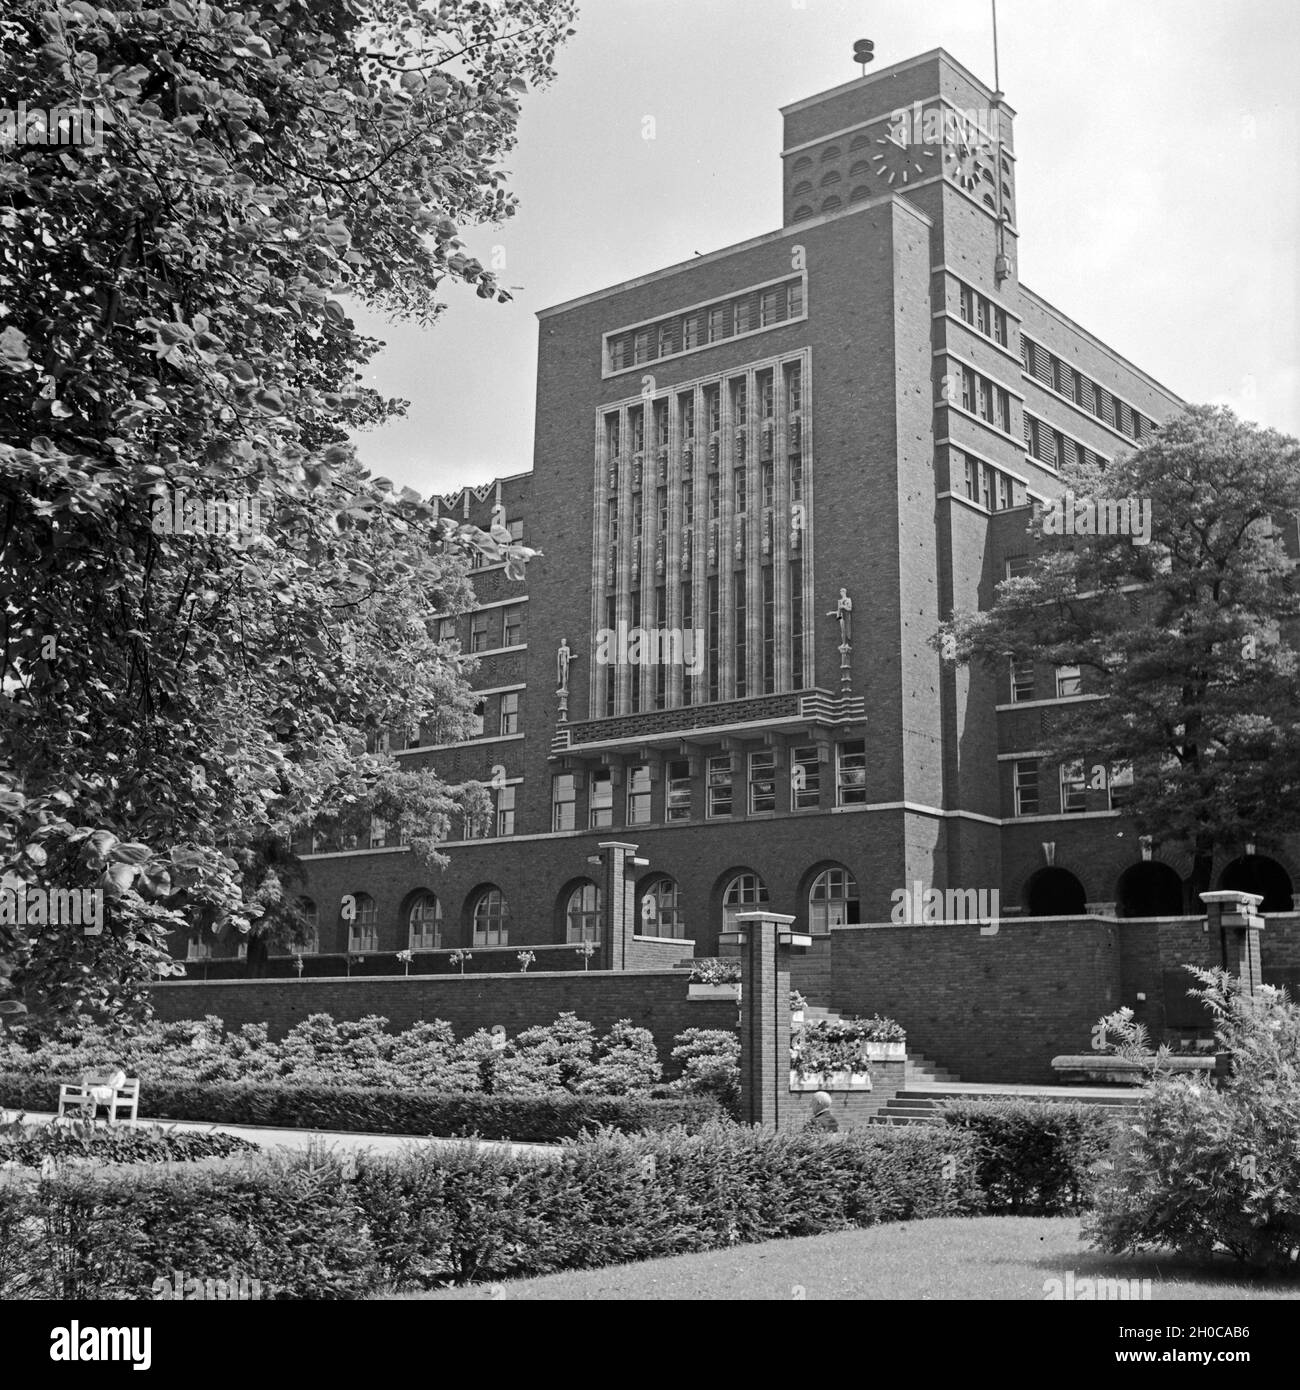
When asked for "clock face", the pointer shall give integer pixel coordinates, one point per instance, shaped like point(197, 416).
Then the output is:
point(967, 159)
point(898, 166)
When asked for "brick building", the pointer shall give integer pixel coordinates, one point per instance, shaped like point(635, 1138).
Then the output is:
point(861, 404)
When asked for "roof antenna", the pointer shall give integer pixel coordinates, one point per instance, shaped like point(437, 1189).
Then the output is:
point(863, 53)
point(1001, 262)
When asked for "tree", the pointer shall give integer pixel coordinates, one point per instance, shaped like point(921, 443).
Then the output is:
point(175, 706)
point(1189, 640)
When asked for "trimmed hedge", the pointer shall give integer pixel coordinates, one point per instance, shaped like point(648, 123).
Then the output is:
point(373, 1110)
point(29, 1145)
point(317, 1227)
point(1035, 1157)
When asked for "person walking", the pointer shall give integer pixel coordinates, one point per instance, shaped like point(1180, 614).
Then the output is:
point(822, 1119)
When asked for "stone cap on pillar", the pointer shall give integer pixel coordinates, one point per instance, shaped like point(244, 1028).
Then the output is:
point(1231, 907)
point(616, 844)
point(780, 920)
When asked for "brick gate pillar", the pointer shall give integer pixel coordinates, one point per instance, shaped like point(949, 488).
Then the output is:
point(765, 941)
point(620, 920)
point(1236, 915)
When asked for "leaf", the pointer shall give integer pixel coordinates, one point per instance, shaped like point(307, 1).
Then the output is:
point(133, 853)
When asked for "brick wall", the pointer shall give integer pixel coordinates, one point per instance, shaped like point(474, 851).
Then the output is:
point(850, 1108)
point(651, 999)
point(657, 952)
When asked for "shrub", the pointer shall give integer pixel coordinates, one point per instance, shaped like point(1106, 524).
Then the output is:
point(714, 970)
point(709, 1060)
point(525, 1118)
point(1034, 1156)
point(1201, 1168)
point(626, 1063)
point(28, 1145)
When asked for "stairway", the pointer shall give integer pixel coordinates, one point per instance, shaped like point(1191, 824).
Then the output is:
point(918, 1070)
point(921, 1104)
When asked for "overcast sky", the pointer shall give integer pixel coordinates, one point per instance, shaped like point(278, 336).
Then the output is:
point(1158, 190)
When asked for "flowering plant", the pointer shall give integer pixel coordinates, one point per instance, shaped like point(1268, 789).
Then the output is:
point(406, 957)
point(459, 957)
point(525, 959)
point(586, 950)
point(797, 1002)
point(714, 970)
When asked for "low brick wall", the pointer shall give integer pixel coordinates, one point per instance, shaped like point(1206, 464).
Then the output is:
point(658, 952)
point(851, 1109)
point(651, 999)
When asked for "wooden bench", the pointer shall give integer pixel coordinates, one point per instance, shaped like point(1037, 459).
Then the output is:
point(117, 1092)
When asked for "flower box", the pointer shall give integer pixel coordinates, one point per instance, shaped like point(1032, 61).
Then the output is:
point(695, 990)
point(886, 1051)
point(830, 1081)
point(796, 1016)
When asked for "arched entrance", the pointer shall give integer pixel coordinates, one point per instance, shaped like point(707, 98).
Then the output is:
point(1149, 890)
point(1257, 873)
point(1053, 892)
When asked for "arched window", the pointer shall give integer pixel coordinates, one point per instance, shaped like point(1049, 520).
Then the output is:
point(363, 929)
point(801, 212)
point(491, 918)
point(830, 152)
point(802, 187)
point(311, 913)
point(859, 193)
point(989, 203)
point(859, 142)
point(665, 915)
point(745, 893)
point(803, 162)
point(1053, 892)
point(582, 914)
point(833, 901)
point(424, 923)
point(860, 167)
point(1257, 873)
point(834, 176)
point(831, 204)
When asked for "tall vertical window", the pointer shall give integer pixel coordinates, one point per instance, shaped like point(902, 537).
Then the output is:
point(714, 630)
point(986, 400)
point(491, 918)
point(688, 626)
point(600, 801)
point(424, 924)
point(794, 299)
point(717, 324)
point(478, 632)
point(661, 424)
point(564, 797)
point(1025, 781)
point(661, 509)
point(690, 331)
point(715, 497)
point(1073, 790)
point(967, 301)
point(740, 313)
point(766, 395)
point(769, 631)
point(985, 499)
point(688, 414)
point(1068, 681)
point(678, 794)
point(505, 810)
point(851, 773)
point(510, 712)
point(794, 390)
point(363, 929)
point(719, 787)
point(664, 340)
point(638, 796)
point(805, 778)
point(767, 308)
point(741, 497)
point(712, 409)
point(1003, 417)
point(1003, 491)
point(833, 901)
point(666, 917)
point(582, 914)
point(476, 718)
point(741, 625)
point(796, 624)
point(688, 504)
point(762, 781)
point(968, 472)
point(641, 346)
point(744, 893)
point(1022, 681)
point(967, 389)
point(1119, 786)
point(982, 315)
point(512, 634)
point(1000, 326)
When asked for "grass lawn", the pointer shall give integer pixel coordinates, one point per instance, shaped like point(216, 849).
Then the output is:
point(986, 1257)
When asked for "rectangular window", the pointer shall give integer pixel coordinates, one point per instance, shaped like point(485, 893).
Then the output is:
point(1073, 791)
point(378, 833)
point(564, 798)
point(719, 787)
point(1068, 681)
point(476, 719)
point(690, 332)
point(968, 304)
point(767, 481)
point(714, 628)
point(971, 489)
point(985, 499)
point(1057, 457)
point(762, 781)
point(712, 409)
point(512, 634)
point(1098, 401)
point(769, 631)
point(678, 794)
point(505, 810)
point(1002, 494)
point(665, 342)
point(600, 801)
point(805, 779)
point(982, 315)
point(1119, 786)
point(767, 308)
point(446, 629)
point(1058, 382)
point(715, 497)
point(638, 796)
point(740, 316)
point(967, 389)
point(1022, 681)
point(739, 625)
point(661, 509)
point(794, 390)
point(1026, 788)
point(1000, 326)
point(1035, 438)
point(851, 773)
point(510, 712)
point(717, 324)
point(1017, 566)
point(794, 299)
point(688, 504)
point(1003, 420)
point(617, 354)
point(641, 346)
point(740, 495)
point(478, 632)
point(1076, 386)
point(986, 400)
